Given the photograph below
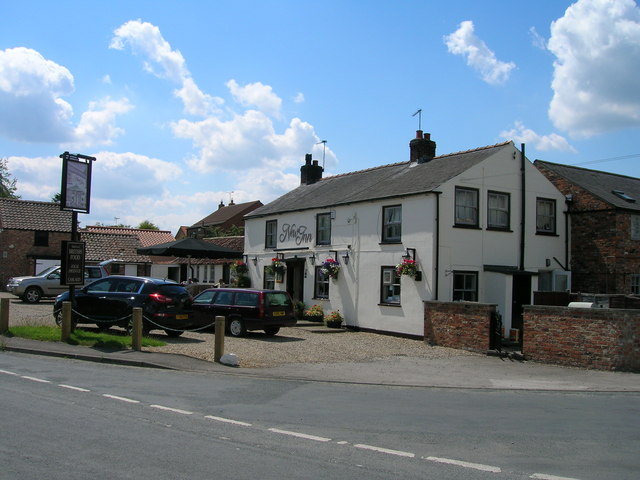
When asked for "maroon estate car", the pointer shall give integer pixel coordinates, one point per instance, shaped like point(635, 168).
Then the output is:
point(245, 309)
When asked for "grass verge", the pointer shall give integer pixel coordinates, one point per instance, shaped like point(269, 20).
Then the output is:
point(80, 337)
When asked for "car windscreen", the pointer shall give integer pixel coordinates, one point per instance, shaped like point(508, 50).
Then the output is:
point(278, 299)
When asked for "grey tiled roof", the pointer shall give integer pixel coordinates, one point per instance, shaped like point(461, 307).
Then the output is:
point(600, 184)
point(388, 181)
point(224, 214)
point(31, 215)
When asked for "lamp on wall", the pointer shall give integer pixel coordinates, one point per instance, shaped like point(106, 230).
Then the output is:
point(345, 257)
point(280, 256)
point(411, 254)
point(312, 259)
point(255, 260)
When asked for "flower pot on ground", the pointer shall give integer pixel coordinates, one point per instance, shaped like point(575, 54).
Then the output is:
point(299, 308)
point(314, 314)
point(333, 320)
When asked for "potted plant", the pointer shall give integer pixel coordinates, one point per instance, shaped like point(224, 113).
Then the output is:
point(330, 267)
point(333, 320)
point(407, 267)
point(239, 267)
point(276, 267)
point(298, 308)
point(314, 313)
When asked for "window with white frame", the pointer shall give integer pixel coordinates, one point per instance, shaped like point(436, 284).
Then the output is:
point(271, 234)
point(269, 282)
point(498, 210)
point(545, 216)
point(466, 207)
point(323, 229)
point(389, 286)
point(465, 286)
point(392, 223)
point(635, 227)
point(321, 284)
point(635, 284)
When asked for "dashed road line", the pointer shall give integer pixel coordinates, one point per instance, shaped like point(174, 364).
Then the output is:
point(35, 379)
point(228, 420)
point(460, 463)
point(300, 435)
point(122, 399)
point(71, 387)
point(544, 476)
point(174, 410)
point(7, 372)
point(399, 453)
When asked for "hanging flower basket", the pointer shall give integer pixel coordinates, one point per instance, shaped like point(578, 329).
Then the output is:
point(239, 267)
point(276, 267)
point(330, 267)
point(407, 267)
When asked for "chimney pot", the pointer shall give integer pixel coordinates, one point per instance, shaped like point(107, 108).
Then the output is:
point(418, 133)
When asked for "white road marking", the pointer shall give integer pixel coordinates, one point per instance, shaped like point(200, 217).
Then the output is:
point(544, 476)
point(35, 379)
point(400, 453)
point(460, 463)
point(123, 399)
point(300, 435)
point(174, 410)
point(228, 420)
point(342, 442)
point(8, 372)
point(71, 387)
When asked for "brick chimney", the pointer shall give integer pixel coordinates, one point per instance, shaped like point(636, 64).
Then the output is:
point(422, 149)
point(310, 172)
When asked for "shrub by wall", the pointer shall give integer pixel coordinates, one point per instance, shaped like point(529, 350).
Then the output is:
point(463, 325)
point(597, 338)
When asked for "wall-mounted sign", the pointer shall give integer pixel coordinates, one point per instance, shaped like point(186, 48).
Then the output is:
point(76, 182)
point(295, 233)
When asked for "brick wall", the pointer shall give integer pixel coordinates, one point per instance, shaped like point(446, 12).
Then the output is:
point(463, 325)
point(18, 254)
point(603, 339)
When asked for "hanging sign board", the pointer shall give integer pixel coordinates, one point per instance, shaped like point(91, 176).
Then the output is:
point(72, 266)
point(76, 182)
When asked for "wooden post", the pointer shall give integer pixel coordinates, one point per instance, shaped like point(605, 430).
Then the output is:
point(136, 331)
point(66, 321)
point(219, 339)
point(4, 315)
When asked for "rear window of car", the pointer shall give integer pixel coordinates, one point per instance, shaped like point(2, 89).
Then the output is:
point(247, 299)
point(277, 299)
point(172, 290)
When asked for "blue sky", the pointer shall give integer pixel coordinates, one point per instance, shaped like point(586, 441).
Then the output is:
point(186, 104)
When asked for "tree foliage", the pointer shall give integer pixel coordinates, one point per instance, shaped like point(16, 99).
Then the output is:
point(148, 225)
point(7, 183)
point(232, 231)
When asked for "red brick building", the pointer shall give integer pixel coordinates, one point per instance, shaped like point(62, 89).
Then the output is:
point(224, 218)
point(604, 215)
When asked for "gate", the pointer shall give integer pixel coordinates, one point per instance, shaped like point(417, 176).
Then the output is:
point(495, 332)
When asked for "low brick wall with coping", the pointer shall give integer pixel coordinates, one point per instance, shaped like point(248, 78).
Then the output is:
point(462, 325)
point(595, 338)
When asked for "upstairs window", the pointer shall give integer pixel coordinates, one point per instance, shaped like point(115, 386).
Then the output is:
point(466, 207)
point(635, 227)
point(270, 234)
point(545, 216)
point(323, 229)
point(498, 211)
point(41, 239)
point(392, 224)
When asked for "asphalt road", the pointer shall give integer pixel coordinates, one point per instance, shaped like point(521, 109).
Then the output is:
point(70, 419)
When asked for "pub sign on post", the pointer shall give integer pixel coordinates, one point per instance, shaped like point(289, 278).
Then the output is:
point(76, 182)
point(72, 265)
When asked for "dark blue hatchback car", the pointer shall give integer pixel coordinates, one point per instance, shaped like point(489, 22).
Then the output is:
point(110, 301)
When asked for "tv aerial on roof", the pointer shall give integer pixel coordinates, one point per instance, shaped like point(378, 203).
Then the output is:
point(324, 149)
point(419, 113)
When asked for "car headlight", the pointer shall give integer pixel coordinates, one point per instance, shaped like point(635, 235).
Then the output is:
point(14, 282)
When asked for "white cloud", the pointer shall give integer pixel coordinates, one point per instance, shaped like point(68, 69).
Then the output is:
point(164, 62)
point(106, 80)
point(544, 143)
point(97, 125)
point(299, 98)
point(464, 42)
point(256, 95)
point(31, 91)
point(537, 40)
point(595, 81)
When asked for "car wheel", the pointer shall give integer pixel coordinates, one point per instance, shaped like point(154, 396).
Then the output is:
point(173, 333)
point(237, 328)
point(32, 295)
point(103, 327)
point(271, 331)
point(145, 328)
point(58, 318)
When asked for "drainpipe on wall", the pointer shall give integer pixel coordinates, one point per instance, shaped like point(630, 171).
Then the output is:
point(437, 265)
point(567, 218)
point(522, 205)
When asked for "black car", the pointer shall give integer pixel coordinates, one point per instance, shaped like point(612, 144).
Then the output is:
point(245, 309)
point(110, 301)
